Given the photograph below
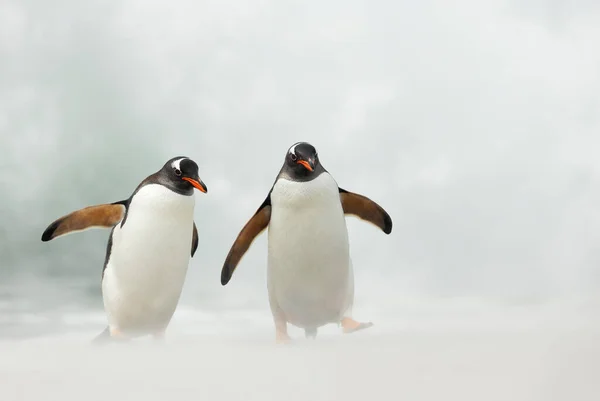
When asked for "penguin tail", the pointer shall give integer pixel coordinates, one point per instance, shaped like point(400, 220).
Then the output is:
point(311, 332)
point(103, 337)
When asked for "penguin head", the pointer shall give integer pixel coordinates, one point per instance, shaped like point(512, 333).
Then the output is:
point(181, 175)
point(302, 160)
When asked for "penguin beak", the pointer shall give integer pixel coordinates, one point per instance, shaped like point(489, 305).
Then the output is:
point(198, 184)
point(309, 166)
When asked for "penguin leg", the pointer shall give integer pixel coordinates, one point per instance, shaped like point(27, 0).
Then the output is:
point(281, 333)
point(349, 325)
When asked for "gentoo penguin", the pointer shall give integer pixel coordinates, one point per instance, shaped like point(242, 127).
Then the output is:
point(310, 280)
point(152, 239)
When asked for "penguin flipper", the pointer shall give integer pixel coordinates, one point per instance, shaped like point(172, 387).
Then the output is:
point(105, 215)
point(251, 230)
point(194, 240)
point(365, 209)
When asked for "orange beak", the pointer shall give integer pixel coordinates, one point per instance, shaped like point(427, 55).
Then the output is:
point(199, 185)
point(305, 164)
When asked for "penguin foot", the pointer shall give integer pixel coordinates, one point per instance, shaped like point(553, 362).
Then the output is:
point(108, 335)
point(282, 338)
point(159, 337)
point(117, 334)
point(350, 325)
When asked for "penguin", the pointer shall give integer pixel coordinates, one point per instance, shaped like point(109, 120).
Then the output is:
point(310, 278)
point(152, 239)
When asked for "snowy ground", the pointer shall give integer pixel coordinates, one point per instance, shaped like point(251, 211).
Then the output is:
point(546, 354)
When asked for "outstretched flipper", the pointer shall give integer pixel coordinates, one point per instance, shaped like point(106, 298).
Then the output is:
point(365, 209)
point(251, 230)
point(106, 215)
point(194, 240)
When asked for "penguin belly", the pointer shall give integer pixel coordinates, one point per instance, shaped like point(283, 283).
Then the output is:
point(148, 261)
point(309, 275)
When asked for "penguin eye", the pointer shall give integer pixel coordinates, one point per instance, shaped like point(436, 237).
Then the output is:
point(177, 172)
point(293, 157)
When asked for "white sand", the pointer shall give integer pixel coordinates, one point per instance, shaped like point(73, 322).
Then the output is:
point(478, 357)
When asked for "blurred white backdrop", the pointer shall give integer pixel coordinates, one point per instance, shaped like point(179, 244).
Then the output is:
point(475, 124)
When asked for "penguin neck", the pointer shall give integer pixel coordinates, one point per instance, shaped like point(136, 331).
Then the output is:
point(305, 194)
point(158, 197)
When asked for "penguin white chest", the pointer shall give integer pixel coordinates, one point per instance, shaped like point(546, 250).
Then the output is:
point(308, 263)
point(149, 258)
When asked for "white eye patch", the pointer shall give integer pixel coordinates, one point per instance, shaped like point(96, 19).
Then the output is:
point(293, 148)
point(176, 163)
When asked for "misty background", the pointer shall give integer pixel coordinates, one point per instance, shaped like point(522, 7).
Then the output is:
point(474, 124)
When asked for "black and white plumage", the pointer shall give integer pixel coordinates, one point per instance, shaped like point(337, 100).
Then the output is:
point(152, 239)
point(309, 273)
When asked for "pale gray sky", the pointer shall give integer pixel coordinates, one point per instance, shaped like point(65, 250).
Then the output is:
point(475, 124)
